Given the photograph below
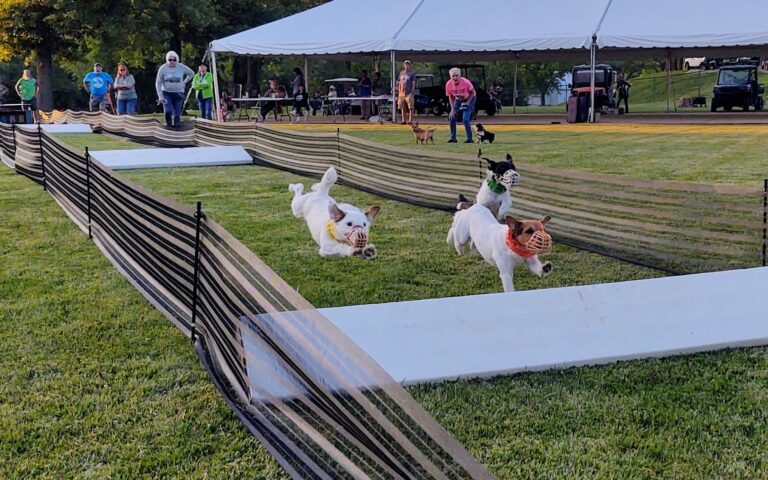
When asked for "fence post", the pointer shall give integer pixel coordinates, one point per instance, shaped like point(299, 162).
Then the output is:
point(653, 89)
point(765, 219)
point(196, 272)
point(42, 156)
point(13, 131)
point(338, 147)
point(88, 188)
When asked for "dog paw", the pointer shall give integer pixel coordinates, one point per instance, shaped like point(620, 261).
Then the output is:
point(546, 269)
point(368, 252)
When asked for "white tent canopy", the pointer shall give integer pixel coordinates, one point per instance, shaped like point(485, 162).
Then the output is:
point(685, 24)
point(496, 29)
point(349, 27)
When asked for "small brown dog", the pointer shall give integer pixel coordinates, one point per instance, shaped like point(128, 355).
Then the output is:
point(423, 134)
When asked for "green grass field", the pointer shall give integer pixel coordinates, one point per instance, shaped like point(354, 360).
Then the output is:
point(732, 154)
point(97, 384)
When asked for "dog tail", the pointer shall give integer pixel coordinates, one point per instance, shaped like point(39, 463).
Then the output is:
point(329, 178)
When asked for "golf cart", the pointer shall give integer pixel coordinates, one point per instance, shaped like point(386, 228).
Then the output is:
point(605, 77)
point(435, 95)
point(737, 87)
point(423, 95)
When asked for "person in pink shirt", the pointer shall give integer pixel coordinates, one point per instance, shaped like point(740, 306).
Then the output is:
point(461, 96)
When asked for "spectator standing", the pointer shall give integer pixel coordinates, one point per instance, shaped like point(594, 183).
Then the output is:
point(98, 83)
point(623, 88)
point(462, 97)
point(203, 85)
point(171, 81)
point(405, 87)
point(298, 81)
point(125, 86)
point(364, 90)
point(27, 89)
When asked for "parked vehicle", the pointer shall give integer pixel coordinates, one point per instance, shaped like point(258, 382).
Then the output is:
point(737, 87)
point(426, 96)
point(695, 62)
point(436, 101)
point(715, 63)
point(605, 77)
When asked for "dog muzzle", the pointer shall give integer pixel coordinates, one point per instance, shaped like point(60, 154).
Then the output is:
point(539, 243)
point(509, 179)
point(357, 237)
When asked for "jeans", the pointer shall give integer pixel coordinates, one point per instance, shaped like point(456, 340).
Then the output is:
point(174, 102)
point(126, 106)
point(204, 104)
point(98, 102)
point(466, 117)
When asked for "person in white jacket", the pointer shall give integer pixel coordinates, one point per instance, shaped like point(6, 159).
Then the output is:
point(171, 81)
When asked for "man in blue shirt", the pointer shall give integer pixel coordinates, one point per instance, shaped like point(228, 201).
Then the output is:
point(98, 84)
point(364, 90)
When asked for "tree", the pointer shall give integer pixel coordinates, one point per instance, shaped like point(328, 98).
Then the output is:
point(38, 30)
point(543, 77)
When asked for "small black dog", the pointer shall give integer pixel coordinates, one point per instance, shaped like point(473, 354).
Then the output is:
point(484, 135)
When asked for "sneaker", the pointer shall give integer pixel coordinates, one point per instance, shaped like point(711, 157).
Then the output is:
point(402, 123)
point(452, 140)
point(469, 140)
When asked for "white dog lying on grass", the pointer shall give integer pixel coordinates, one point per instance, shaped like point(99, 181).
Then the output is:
point(501, 245)
point(339, 229)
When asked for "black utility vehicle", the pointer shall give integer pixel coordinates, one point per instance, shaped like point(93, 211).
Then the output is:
point(737, 87)
point(581, 76)
point(433, 98)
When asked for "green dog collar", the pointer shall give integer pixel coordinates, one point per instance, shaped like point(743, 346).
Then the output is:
point(495, 186)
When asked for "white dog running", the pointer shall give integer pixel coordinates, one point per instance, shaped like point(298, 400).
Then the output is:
point(503, 246)
point(339, 229)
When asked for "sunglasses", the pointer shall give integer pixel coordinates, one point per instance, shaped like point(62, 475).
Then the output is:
point(171, 59)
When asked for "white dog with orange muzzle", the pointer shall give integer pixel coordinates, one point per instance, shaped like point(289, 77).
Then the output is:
point(339, 229)
point(502, 245)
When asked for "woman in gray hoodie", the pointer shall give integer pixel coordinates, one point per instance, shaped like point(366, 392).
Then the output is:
point(172, 78)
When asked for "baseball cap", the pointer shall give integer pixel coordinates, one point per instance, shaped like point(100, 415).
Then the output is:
point(407, 61)
point(96, 64)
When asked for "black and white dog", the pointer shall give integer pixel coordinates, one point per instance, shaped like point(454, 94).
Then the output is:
point(494, 192)
point(484, 135)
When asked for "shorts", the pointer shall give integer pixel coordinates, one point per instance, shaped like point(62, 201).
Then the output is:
point(30, 104)
point(405, 102)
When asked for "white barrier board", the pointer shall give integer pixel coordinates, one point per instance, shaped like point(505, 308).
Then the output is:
point(172, 157)
point(67, 128)
point(54, 128)
point(486, 335)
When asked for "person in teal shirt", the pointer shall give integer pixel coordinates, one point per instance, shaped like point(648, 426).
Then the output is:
point(203, 85)
point(27, 88)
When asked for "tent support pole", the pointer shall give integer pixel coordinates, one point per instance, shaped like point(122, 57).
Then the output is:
point(592, 54)
point(306, 76)
point(216, 86)
point(514, 85)
point(394, 86)
point(669, 75)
